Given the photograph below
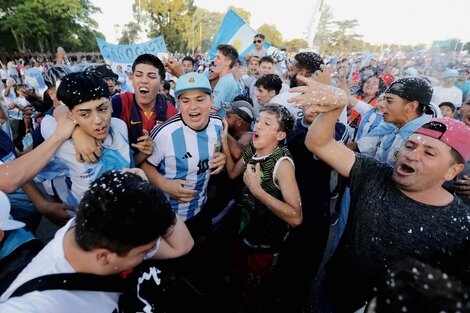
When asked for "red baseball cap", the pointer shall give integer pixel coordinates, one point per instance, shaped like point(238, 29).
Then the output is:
point(451, 132)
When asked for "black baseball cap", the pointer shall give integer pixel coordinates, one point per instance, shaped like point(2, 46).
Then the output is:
point(413, 88)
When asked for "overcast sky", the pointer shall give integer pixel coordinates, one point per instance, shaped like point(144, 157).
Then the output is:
point(380, 21)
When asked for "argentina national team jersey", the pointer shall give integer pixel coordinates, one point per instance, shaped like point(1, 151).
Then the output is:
point(73, 178)
point(183, 153)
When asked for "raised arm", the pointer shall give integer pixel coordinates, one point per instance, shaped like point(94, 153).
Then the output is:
point(176, 242)
point(21, 170)
point(329, 101)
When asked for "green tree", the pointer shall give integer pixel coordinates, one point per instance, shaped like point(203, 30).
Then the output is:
point(296, 44)
point(324, 29)
point(343, 38)
point(206, 24)
point(171, 18)
point(44, 24)
point(130, 33)
point(271, 33)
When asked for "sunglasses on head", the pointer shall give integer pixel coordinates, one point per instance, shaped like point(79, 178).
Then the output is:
point(257, 41)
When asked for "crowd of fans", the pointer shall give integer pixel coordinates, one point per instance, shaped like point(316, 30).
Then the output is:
point(206, 185)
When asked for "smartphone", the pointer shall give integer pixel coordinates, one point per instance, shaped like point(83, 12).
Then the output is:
point(355, 76)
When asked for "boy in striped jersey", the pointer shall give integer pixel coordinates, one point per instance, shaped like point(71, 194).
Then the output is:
point(186, 152)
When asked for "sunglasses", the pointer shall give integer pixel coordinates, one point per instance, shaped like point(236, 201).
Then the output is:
point(257, 41)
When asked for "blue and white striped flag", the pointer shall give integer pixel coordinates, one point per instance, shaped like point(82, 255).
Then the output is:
point(236, 32)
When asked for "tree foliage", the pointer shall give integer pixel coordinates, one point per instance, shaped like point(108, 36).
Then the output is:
point(296, 44)
point(271, 33)
point(42, 25)
point(171, 18)
point(206, 24)
point(130, 33)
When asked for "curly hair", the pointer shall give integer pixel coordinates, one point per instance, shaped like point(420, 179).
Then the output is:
point(122, 211)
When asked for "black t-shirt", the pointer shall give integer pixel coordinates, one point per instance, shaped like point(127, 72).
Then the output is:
point(313, 177)
point(384, 227)
point(7, 148)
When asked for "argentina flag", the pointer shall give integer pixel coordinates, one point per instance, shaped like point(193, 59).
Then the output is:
point(236, 32)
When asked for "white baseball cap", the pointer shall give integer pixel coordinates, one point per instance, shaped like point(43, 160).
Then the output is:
point(5, 222)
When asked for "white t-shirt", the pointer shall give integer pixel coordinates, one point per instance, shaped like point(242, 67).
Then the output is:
point(51, 260)
point(443, 94)
point(282, 98)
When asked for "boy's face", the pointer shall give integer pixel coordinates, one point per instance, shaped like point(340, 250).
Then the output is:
point(266, 131)
point(94, 117)
point(195, 106)
point(309, 114)
point(146, 82)
point(254, 67)
point(133, 258)
point(188, 66)
point(258, 42)
point(264, 95)
point(447, 111)
point(266, 68)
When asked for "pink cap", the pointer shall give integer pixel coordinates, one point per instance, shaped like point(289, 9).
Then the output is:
point(451, 132)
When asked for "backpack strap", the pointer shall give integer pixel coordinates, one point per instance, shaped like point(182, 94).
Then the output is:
point(72, 281)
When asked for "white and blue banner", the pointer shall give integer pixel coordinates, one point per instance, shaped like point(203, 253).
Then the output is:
point(236, 32)
point(126, 54)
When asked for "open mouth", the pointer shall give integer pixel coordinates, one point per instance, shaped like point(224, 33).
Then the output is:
point(255, 135)
point(194, 115)
point(144, 90)
point(101, 130)
point(405, 169)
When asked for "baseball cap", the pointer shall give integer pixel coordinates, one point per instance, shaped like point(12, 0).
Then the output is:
point(450, 73)
point(5, 222)
point(102, 71)
point(450, 131)
point(413, 88)
point(411, 71)
point(241, 108)
point(192, 81)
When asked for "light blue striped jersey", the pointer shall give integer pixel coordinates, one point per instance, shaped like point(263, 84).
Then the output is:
point(181, 152)
point(76, 176)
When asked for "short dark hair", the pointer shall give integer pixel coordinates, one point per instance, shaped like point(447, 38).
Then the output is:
point(122, 211)
point(284, 117)
point(151, 60)
point(244, 98)
point(270, 82)
point(188, 58)
point(309, 61)
point(230, 52)
point(266, 58)
point(80, 87)
point(260, 36)
point(448, 104)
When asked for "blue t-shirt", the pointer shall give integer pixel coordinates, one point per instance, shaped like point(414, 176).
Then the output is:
point(225, 90)
point(7, 148)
